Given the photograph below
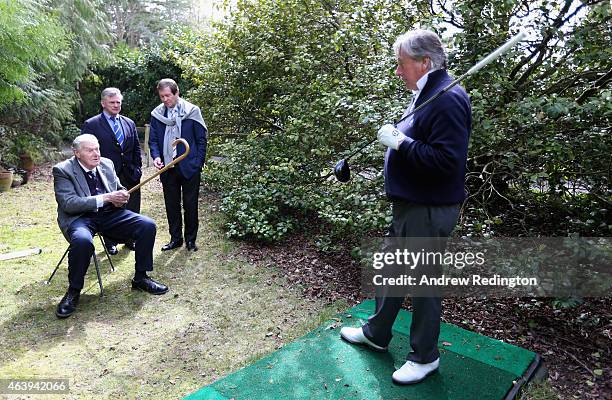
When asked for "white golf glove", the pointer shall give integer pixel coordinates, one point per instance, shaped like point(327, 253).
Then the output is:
point(390, 136)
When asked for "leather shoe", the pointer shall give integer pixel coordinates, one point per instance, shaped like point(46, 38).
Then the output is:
point(67, 305)
point(150, 286)
point(130, 246)
point(356, 336)
point(412, 372)
point(173, 244)
point(112, 249)
point(191, 246)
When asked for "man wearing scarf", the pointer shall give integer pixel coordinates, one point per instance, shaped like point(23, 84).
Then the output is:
point(177, 118)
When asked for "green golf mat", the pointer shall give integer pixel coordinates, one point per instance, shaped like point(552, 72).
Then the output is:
point(320, 365)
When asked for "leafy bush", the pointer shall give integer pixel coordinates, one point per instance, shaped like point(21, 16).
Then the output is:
point(290, 87)
point(290, 103)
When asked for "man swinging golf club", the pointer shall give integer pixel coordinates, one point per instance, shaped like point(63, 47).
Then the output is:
point(424, 180)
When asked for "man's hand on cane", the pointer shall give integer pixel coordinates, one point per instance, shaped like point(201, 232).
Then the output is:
point(118, 198)
point(158, 163)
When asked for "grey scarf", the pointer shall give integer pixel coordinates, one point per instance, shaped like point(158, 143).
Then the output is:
point(183, 110)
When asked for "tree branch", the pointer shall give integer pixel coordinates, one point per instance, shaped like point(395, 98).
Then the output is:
point(598, 85)
point(541, 48)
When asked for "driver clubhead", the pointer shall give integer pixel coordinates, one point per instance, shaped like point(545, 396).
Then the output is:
point(342, 171)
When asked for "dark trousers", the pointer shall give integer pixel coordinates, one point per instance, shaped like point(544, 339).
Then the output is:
point(175, 186)
point(417, 221)
point(133, 203)
point(117, 223)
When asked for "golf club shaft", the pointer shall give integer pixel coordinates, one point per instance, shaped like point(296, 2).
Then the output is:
point(501, 50)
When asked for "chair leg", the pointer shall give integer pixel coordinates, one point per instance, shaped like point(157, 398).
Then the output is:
point(96, 263)
point(58, 265)
point(95, 258)
point(108, 257)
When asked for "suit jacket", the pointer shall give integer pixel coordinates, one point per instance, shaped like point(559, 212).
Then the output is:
point(72, 192)
point(193, 132)
point(126, 158)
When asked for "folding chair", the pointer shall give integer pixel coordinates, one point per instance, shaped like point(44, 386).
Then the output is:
point(96, 262)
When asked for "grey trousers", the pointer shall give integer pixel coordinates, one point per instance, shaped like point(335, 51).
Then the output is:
point(420, 221)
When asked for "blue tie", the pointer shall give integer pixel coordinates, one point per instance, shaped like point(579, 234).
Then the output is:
point(117, 130)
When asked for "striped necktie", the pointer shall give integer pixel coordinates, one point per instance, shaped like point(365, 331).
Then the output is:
point(117, 130)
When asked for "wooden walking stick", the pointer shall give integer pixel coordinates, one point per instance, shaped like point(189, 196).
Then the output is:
point(175, 161)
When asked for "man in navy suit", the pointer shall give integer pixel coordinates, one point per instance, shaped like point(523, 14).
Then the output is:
point(119, 142)
point(177, 118)
point(424, 172)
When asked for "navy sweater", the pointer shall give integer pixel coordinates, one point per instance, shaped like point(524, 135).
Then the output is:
point(431, 169)
point(195, 135)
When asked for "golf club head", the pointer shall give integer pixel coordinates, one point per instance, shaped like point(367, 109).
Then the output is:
point(342, 171)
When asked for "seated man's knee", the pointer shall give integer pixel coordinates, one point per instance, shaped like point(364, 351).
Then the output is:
point(147, 225)
point(82, 242)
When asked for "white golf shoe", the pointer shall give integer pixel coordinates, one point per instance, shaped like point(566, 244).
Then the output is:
point(356, 336)
point(412, 372)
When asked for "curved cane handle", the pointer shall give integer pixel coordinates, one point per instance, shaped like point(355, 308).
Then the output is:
point(175, 161)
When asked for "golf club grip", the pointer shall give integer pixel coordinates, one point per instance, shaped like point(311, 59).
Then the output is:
point(165, 168)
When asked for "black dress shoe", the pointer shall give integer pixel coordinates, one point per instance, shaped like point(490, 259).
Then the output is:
point(150, 286)
point(112, 249)
point(172, 245)
point(130, 246)
point(191, 246)
point(67, 305)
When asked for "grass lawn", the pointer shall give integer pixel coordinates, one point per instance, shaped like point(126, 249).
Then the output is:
point(220, 314)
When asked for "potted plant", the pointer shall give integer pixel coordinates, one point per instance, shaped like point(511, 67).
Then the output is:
point(28, 148)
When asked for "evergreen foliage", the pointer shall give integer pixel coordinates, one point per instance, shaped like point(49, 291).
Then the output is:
point(290, 87)
point(46, 49)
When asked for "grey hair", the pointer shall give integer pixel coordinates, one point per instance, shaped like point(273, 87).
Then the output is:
point(110, 92)
point(84, 138)
point(421, 43)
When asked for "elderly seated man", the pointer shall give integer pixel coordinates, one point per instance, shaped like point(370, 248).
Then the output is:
point(90, 199)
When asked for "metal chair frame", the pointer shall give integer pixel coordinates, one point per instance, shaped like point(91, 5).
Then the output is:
point(96, 263)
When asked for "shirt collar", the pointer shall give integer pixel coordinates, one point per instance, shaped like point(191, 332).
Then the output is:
point(108, 116)
point(421, 83)
point(85, 169)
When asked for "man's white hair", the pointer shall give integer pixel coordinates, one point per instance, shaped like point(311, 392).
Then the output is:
point(84, 138)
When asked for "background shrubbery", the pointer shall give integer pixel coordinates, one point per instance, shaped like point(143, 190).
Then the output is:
point(136, 73)
point(51, 52)
point(289, 87)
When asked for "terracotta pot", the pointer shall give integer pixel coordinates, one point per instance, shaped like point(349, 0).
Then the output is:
point(6, 179)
